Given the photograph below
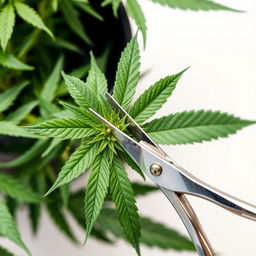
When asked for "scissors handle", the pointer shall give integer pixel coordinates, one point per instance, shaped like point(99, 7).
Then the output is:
point(191, 222)
point(195, 186)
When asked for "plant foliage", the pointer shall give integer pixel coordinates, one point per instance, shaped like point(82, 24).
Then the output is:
point(52, 138)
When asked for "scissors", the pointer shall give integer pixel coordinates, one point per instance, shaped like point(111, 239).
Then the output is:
point(173, 180)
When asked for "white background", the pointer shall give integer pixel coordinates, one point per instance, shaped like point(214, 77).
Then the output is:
point(220, 48)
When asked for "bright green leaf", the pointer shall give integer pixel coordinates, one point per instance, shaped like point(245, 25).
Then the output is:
point(96, 80)
point(193, 126)
point(7, 20)
point(96, 189)
point(77, 164)
point(127, 74)
point(194, 5)
point(31, 16)
point(153, 98)
point(134, 9)
point(123, 196)
point(82, 94)
point(69, 128)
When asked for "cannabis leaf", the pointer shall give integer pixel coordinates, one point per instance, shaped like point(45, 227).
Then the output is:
point(8, 97)
point(51, 83)
point(8, 60)
point(194, 126)
point(9, 128)
point(194, 5)
point(69, 128)
point(97, 188)
point(4, 252)
point(31, 16)
point(20, 113)
point(72, 18)
point(60, 220)
point(81, 93)
point(153, 98)
point(8, 227)
point(122, 195)
point(127, 74)
point(96, 79)
point(7, 20)
point(28, 155)
point(134, 9)
point(78, 163)
point(14, 188)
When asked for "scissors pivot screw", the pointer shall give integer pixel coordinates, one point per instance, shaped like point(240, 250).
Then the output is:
point(156, 169)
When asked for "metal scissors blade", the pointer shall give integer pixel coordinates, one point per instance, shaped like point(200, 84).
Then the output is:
point(174, 181)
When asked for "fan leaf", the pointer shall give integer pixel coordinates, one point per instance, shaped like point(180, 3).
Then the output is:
point(127, 74)
point(77, 164)
point(123, 196)
point(68, 128)
point(153, 98)
point(194, 126)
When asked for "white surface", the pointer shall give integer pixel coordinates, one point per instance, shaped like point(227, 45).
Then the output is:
point(220, 48)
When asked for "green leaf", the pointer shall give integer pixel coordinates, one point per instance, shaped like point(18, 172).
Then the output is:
point(8, 97)
point(154, 234)
point(69, 128)
point(115, 5)
point(19, 114)
point(52, 145)
point(96, 189)
point(143, 189)
point(134, 9)
point(51, 83)
point(9, 61)
point(8, 128)
point(59, 218)
point(4, 252)
point(153, 98)
point(193, 126)
point(81, 113)
point(86, 7)
point(7, 20)
point(194, 5)
point(96, 80)
point(31, 16)
point(72, 18)
point(82, 94)
point(8, 227)
point(123, 196)
point(28, 155)
point(15, 189)
point(77, 164)
point(74, 207)
point(127, 74)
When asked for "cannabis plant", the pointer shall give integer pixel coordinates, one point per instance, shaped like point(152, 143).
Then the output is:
point(49, 138)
